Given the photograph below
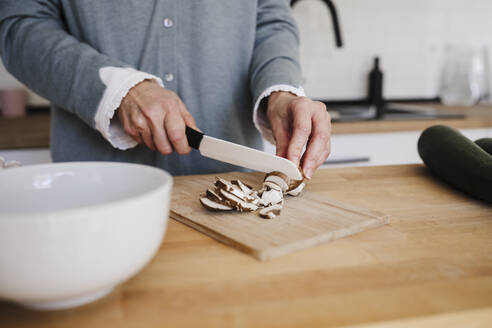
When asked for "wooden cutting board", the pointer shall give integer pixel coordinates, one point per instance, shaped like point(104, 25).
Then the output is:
point(307, 220)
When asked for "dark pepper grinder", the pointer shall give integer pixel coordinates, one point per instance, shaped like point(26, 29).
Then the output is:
point(376, 88)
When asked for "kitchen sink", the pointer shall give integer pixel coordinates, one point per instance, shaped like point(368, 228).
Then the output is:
point(390, 112)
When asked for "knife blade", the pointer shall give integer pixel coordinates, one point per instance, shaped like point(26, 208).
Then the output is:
point(239, 155)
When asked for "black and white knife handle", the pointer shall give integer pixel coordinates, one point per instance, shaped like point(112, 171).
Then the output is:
point(194, 137)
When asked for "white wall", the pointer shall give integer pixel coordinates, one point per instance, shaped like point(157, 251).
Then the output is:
point(409, 36)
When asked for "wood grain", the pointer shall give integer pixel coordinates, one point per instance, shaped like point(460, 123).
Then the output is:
point(430, 267)
point(305, 221)
point(32, 131)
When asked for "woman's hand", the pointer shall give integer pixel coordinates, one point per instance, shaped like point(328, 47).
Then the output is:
point(296, 121)
point(156, 117)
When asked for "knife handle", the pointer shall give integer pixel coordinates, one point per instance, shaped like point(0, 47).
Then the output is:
point(194, 137)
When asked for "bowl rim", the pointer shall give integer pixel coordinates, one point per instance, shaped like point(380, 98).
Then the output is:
point(35, 215)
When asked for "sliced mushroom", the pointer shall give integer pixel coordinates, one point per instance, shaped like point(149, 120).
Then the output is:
point(213, 206)
point(223, 184)
point(272, 197)
point(280, 181)
point(248, 190)
point(238, 203)
point(213, 196)
point(275, 177)
point(236, 195)
point(293, 184)
point(271, 185)
point(271, 211)
point(296, 191)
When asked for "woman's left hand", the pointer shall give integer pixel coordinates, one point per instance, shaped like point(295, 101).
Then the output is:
point(297, 121)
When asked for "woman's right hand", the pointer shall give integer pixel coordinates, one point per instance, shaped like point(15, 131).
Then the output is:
point(156, 117)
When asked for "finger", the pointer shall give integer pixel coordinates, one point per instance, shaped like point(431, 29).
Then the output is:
point(175, 129)
point(127, 126)
point(139, 123)
point(187, 117)
point(327, 150)
point(323, 157)
point(281, 134)
point(155, 117)
point(301, 129)
point(316, 148)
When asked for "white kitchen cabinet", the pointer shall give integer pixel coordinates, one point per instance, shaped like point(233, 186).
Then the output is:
point(380, 148)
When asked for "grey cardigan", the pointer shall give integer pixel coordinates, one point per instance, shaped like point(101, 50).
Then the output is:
point(222, 53)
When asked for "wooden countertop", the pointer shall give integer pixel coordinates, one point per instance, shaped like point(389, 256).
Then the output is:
point(479, 116)
point(33, 131)
point(431, 267)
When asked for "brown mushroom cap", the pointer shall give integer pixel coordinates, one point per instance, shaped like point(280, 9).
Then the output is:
point(292, 184)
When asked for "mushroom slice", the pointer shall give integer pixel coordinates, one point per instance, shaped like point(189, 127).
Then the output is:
point(213, 196)
point(296, 191)
point(275, 177)
point(237, 202)
point(271, 185)
point(293, 184)
point(221, 183)
point(272, 197)
point(278, 178)
point(213, 206)
point(271, 211)
point(239, 193)
point(248, 190)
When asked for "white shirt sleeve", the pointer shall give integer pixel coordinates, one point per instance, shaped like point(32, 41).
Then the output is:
point(259, 110)
point(118, 81)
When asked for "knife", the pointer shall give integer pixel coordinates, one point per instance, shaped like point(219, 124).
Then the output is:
point(239, 155)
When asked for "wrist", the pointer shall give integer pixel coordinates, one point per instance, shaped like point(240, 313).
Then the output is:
point(279, 97)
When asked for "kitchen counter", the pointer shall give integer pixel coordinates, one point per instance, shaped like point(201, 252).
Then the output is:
point(479, 116)
point(33, 131)
point(431, 267)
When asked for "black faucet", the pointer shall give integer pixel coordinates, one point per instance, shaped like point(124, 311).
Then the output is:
point(334, 19)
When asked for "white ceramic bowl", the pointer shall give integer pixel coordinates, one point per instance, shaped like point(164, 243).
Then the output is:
point(70, 232)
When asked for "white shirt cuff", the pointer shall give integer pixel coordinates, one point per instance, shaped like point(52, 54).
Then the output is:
point(259, 114)
point(118, 81)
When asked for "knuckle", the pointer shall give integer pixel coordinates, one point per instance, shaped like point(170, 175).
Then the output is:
point(302, 127)
point(154, 114)
point(324, 136)
point(176, 135)
point(301, 102)
point(320, 105)
point(139, 123)
point(328, 116)
point(130, 131)
point(169, 103)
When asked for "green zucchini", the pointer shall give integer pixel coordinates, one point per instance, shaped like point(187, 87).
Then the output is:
point(485, 144)
point(457, 160)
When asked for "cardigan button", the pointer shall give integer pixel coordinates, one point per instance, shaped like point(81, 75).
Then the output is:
point(168, 77)
point(168, 22)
